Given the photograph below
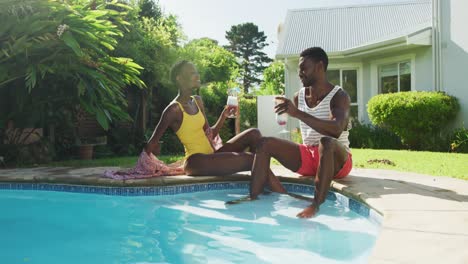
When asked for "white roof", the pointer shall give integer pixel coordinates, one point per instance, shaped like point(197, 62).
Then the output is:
point(342, 28)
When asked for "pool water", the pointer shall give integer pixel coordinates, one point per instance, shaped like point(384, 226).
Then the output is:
point(59, 227)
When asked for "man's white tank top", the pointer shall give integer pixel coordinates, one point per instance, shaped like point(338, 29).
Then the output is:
point(322, 111)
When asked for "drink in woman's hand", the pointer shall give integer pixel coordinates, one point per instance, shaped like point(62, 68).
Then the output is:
point(232, 104)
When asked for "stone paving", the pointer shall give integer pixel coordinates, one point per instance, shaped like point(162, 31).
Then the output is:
point(425, 218)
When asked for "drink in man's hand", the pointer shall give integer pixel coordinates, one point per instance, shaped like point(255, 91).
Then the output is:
point(281, 119)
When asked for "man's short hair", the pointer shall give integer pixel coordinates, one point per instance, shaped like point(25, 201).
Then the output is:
point(317, 54)
point(177, 68)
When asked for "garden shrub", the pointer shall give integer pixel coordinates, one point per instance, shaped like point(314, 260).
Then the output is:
point(416, 117)
point(121, 141)
point(170, 145)
point(296, 136)
point(214, 97)
point(373, 137)
point(248, 110)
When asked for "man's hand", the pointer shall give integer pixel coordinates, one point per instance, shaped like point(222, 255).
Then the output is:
point(308, 212)
point(287, 106)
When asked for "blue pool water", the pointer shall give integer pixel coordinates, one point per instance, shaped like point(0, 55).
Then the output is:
point(59, 227)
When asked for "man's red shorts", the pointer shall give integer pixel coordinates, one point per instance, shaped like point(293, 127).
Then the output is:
point(310, 160)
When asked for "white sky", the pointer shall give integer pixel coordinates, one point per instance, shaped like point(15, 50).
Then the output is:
point(212, 18)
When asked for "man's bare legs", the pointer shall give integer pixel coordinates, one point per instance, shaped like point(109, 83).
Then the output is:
point(333, 156)
point(286, 152)
point(332, 153)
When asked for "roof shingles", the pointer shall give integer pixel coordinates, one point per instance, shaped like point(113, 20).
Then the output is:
point(341, 28)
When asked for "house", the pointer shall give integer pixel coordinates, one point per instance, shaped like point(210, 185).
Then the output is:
point(381, 48)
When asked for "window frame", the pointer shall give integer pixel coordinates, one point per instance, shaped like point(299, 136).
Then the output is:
point(398, 75)
point(359, 76)
point(375, 74)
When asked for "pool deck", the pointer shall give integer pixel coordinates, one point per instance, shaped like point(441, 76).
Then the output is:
point(425, 218)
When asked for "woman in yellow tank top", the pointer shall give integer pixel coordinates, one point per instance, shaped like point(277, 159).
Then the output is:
point(186, 116)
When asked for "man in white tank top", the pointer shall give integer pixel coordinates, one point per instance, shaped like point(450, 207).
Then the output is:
point(323, 111)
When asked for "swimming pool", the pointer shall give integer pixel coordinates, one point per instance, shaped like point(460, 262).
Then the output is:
point(178, 224)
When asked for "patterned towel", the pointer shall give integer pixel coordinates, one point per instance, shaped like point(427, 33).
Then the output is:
point(216, 141)
point(147, 166)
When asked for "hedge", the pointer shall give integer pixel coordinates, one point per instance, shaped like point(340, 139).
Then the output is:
point(416, 117)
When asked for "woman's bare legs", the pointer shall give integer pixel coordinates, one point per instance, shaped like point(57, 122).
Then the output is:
point(231, 158)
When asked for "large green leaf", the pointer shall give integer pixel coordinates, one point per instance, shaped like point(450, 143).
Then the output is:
point(70, 41)
point(102, 120)
point(31, 77)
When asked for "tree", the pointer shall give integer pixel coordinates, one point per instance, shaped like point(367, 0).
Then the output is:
point(273, 79)
point(246, 42)
point(214, 63)
point(149, 9)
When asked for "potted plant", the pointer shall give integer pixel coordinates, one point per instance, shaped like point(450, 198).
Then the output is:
point(86, 146)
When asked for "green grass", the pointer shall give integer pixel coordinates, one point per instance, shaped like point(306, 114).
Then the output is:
point(431, 163)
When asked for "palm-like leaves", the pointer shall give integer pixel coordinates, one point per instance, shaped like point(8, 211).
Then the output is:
point(52, 46)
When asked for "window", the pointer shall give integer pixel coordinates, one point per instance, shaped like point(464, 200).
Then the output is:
point(395, 77)
point(348, 80)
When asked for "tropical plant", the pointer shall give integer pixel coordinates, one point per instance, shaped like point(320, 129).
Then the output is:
point(55, 55)
point(459, 140)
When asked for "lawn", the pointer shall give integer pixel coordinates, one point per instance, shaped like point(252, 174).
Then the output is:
point(431, 163)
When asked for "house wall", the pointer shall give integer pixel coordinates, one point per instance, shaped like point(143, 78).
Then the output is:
point(292, 84)
point(454, 54)
point(266, 117)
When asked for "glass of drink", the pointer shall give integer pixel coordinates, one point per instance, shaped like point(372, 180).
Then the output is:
point(232, 102)
point(281, 119)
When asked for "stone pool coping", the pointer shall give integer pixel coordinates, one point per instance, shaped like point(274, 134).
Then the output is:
point(425, 218)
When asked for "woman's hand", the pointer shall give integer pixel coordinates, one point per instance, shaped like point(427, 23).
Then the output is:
point(228, 111)
point(154, 148)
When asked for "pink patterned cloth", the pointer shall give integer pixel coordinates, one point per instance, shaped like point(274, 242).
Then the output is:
point(147, 166)
point(216, 141)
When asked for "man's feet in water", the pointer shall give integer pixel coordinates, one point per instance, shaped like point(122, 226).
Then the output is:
point(300, 197)
point(240, 200)
point(247, 198)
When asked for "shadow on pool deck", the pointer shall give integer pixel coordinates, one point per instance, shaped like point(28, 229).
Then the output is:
point(383, 187)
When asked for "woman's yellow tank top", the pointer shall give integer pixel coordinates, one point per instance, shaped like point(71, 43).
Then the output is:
point(191, 133)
